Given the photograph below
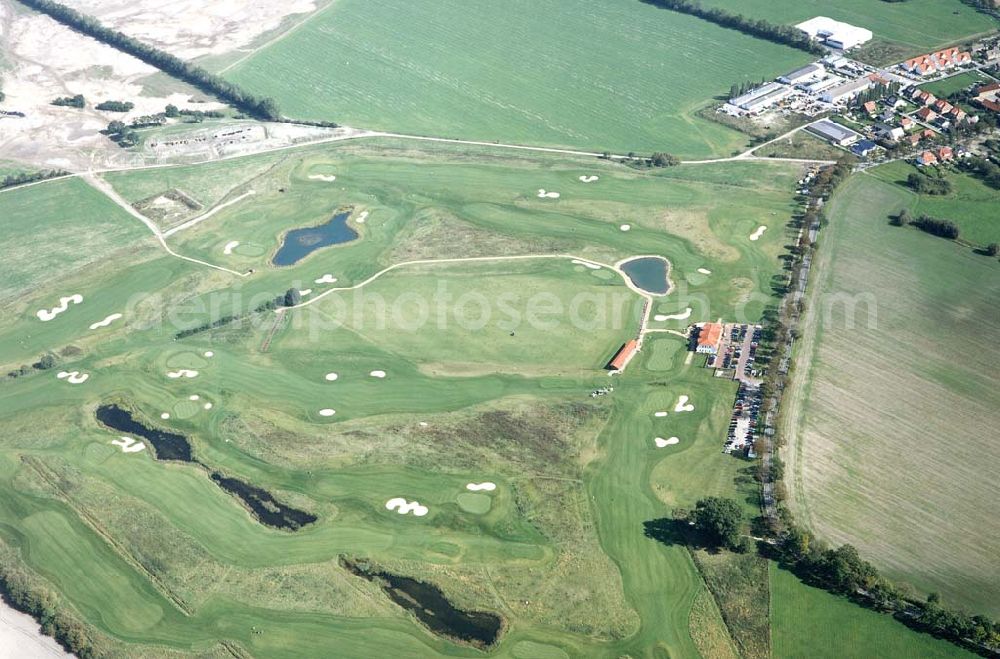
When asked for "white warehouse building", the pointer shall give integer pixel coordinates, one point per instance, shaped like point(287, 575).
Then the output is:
point(842, 36)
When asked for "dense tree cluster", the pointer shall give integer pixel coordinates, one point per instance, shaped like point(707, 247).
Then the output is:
point(983, 169)
point(11, 180)
point(929, 185)
point(718, 521)
point(70, 101)
point(24, 594)
point(783, 34)
point(261, 108)
point(937, 227)
point(121, 133)
point(115, 106)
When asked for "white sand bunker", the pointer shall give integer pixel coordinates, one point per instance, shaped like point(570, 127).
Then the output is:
point(683, 405)
point(361, 218)
point(660, 442)
point(588, 179)
point(542, 194)
point(327, 279)
point(46, 315)
point(758, 233)
point(377, 374)
point(165, 416)
point(586, 264)
point(322, 177)
point(107, 321)
point(128, 445)
point(659, 415)
point(625, 227)
point(194, 397)
point(402, 506)
point(704, 271)
point(308, 291)
point(422, 424)
point(182, 373)
point(326, 411)
point(485, 487)
point(207, 406)
point(73, 377)
point(209, 353)
point(230, 246)
point(676, 316)
point(330, 377)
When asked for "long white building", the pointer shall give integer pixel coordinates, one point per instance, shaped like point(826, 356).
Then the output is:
point(842, 36)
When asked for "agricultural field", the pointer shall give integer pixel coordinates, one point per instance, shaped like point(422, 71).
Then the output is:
point(807, 621)
point(890, 431)
point(358, 397)
point(619, 76)
point(971, 204)
point(901, 29)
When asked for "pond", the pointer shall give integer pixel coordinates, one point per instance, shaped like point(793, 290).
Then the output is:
point(431, 607)
point(166, 445)
point(265, 507)
point(300, 243)
point(648, 273)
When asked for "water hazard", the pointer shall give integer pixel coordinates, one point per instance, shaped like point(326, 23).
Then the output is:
point(300, 243)
point(648, 273)
point(431, 607)
point(264, 506)
point(166, 445)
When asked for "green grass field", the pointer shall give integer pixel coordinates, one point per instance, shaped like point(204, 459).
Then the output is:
point(971, 204)
point(948, 86)
point(621, 76)
point(900, 29)
point(809, 622)
point(890, 425)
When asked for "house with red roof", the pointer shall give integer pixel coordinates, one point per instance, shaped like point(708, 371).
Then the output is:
point(709, 338)
point(870, 107)
point(926, 158)
point(906, 123)
point(943, 106)
point(945, 154)
point(623, 356)
point(926, 114)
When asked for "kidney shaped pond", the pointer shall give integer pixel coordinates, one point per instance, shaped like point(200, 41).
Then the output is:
point(300, 243)
point(648, 273)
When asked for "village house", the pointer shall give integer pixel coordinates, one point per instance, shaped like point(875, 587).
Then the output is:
point(709, 338)
point(926, 159)
point(943, 106)
point(945, 154)
point(926, 114)
point(888, 132)
point(906, 123)
point(941, 60)
point(922, 97)
point(988, 96)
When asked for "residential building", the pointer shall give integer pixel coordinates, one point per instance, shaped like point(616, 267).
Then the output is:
point(906, 123)
point(888, 132)
point(926, 114)
point(942, 60)
point(945, 154)
point(870, 108)
point(834, 132)
point(863, 148)
point(926, 159)
point(709, 338)
point(943, 106)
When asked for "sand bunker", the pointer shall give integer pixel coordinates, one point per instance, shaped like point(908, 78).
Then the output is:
point(327, 279)
point(676, 316)
point(165, 416)
point(486, 487)
point(758, 233)
point(306, 292)
point(107, 321)
point(326, 411)
point(361, 218)
point(209, 353)
point(422, 424)
point(377, 374)
point(194, 397)
point(208, 406)
point(230, 246)
point(704, 271)
point(660, 442)
point(322, 177)
point(402, 506)
point(588, 179)
point(330, 377)
point(182, 373)
point(625, 227)
point(586, 264)
point(542, 194)
point(659, 415)
point(128, 445)
point(683, 406)
point(73, 377)
point(46, 315)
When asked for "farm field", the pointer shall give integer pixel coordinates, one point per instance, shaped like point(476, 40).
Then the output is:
point(807, 621)
point(621, 76)
point(866, 462)
point(159, 559)
point(910, 28)
point(971, 204)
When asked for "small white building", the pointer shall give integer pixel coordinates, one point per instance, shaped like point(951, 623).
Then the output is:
point(805, 75)
point(835, 34)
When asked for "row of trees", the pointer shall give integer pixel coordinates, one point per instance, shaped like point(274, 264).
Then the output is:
point(115, 106)
point(844, 572)
point(10, 180)
point(932, 225)
point(261, 108)
point(929, 185)
point(70, 101)
point(782, 34)
point(289, 298)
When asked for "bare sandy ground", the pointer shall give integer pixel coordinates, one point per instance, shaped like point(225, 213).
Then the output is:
point(21, 639)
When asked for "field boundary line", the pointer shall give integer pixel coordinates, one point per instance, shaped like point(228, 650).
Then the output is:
point(204, 216)
point(270, 42)
point(94, 525)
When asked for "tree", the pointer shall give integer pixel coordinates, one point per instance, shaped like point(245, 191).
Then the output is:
point(993, 249)
point(719, 521)
point(901, 219)
point(292, 297)
point(47, 361)
point(116, 127)
point(660, 159)
point(171, 111)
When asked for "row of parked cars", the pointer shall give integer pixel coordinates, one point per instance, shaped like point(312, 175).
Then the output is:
point(743, 423)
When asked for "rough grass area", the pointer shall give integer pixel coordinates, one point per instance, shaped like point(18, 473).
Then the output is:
point(891, 424)
point(739, 585)
point(802, 144)
point(622, 76)
point(809, 622)
point(709, 630)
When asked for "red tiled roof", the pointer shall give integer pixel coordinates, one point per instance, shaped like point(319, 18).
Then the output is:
point(945, 153)
point(928, 158)
point(710, 334)
point(624, 355)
